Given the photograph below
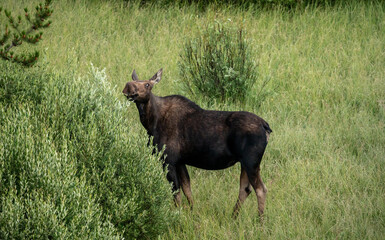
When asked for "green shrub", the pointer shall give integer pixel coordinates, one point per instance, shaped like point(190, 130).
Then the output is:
point(71, 167)
point(218, 63)
point(18, 88)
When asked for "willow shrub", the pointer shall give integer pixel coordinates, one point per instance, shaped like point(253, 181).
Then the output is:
point(71, 167)
point(218, 63)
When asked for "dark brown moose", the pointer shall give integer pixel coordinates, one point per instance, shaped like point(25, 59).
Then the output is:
point(201, 138)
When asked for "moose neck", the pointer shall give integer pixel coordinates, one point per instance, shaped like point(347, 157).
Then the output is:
point(148, 113)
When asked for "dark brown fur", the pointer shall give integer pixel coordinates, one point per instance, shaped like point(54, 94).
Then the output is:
point(201, 138)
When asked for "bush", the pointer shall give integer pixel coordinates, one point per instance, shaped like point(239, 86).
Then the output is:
point(218, 63)
point(17, 88)
point(70, 166)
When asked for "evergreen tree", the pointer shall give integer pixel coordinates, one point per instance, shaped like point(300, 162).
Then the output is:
point(18, 33)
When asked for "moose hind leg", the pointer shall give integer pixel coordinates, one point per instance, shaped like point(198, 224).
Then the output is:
point(244, 192)
point(251, 162)
point(184, 179)
point(259, 188)
point(261, 192)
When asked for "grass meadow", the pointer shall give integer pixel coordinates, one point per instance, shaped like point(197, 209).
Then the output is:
point(324, 166)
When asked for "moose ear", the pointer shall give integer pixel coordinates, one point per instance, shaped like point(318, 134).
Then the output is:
point(134, 76)
point(156, 78)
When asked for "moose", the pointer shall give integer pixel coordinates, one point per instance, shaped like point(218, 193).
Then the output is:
point(201, 138)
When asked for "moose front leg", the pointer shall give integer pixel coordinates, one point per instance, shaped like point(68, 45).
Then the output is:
point(173, 178)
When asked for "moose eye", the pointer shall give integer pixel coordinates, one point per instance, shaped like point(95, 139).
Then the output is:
point(147, 85)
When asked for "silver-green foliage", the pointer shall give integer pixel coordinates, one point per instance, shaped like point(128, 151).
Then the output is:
point(218, 63)
point(70, 166)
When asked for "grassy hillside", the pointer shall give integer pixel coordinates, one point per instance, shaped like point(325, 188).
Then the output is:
point(325, 101)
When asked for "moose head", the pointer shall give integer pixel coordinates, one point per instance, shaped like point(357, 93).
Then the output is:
point(140, 91)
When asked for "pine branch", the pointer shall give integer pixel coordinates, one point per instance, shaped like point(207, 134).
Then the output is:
point(30, 34)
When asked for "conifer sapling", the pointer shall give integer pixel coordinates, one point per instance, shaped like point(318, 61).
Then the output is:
point(17, 33)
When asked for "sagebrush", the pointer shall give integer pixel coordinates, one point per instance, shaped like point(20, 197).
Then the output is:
point(70, 166)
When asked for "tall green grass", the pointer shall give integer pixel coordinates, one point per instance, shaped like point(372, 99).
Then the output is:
point(324, 165)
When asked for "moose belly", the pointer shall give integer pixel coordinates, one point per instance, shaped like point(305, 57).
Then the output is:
point(210, 161)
